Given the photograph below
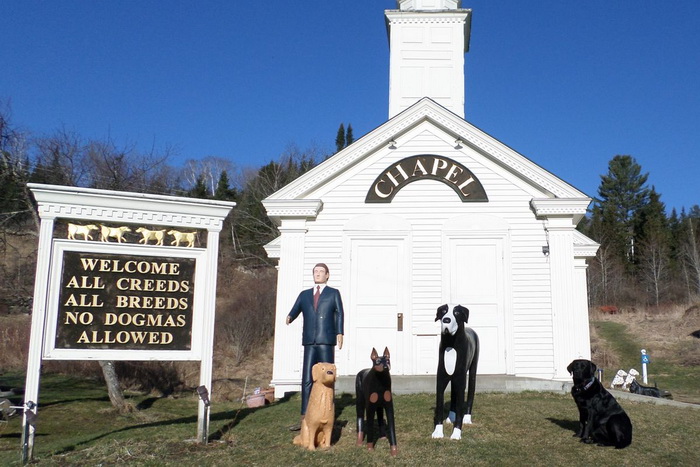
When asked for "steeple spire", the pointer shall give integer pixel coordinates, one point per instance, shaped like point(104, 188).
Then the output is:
point(427, 40)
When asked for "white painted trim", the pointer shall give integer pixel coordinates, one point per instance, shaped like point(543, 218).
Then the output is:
point(410, 5)
point(278, 209)
point(286, 367)
point(121, 206)
point(273, 248)
point(36, 338)
point(584, 246)
point(571, 208)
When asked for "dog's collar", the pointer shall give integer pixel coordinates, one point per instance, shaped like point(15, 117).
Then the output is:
point(589, 384)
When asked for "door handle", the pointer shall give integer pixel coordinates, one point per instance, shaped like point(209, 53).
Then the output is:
point(399, 321)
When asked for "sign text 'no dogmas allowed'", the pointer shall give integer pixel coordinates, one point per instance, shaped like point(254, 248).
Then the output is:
point(112, 301)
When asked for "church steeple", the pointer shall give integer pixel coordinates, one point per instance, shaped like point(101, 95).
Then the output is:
point(427, 41)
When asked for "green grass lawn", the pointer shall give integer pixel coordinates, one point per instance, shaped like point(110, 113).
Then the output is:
point(77, 426)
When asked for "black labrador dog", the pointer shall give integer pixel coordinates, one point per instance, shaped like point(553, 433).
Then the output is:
point(637, 388)
point(601, 419)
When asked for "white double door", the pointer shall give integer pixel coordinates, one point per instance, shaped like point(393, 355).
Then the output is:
point(379, 310)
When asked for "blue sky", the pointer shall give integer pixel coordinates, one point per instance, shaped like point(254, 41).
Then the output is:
point(567, 84)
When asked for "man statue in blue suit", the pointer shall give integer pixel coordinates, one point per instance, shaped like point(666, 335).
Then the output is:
point(323, 326)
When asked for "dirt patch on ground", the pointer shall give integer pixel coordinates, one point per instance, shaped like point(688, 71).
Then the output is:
point(232, 382)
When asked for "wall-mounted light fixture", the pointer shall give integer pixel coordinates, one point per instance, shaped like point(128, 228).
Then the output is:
point(392, 144)
point(458, 143)
point(545, 250)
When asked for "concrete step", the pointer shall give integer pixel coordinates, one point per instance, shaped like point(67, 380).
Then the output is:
point(484, 383)
point(496, 383)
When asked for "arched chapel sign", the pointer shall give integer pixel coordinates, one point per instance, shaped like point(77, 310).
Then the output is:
point(426, 166)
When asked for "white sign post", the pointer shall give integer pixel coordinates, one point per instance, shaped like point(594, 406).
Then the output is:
point(123, 276)
point(645, 361)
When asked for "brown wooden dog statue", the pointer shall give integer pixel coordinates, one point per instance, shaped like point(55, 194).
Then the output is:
point(317, 425)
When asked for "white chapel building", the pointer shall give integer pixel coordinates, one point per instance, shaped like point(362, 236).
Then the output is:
point(425, 210)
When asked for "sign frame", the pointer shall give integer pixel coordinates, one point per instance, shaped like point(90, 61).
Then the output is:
point(89, 210)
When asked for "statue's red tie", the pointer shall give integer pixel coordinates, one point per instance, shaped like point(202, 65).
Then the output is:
point(316, 296)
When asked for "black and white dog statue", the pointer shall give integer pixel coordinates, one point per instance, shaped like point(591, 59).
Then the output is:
point(459, 355)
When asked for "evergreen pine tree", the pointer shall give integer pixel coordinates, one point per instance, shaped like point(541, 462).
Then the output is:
point(349, 137)
point(340, 138)
point(199, 190)
point(651, 219)
point(223, 191)
point(622, 194)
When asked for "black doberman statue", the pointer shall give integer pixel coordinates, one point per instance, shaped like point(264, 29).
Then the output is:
point(373, 391)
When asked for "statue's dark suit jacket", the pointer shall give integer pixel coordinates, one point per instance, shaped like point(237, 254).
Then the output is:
point(321, 326)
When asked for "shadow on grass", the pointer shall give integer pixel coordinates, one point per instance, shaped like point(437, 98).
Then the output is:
point(446, 409)
point(234, 415)
point(147, 403)
point(69, 401)
point(345, 400)
point(341, 403)
point(18, 435)
point(239, 415)
point(571, 425)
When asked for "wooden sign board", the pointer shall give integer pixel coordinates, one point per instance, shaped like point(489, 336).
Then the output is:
point(123, 276)
point(116, 302)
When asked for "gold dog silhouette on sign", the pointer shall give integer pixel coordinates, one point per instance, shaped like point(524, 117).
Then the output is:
point(113, 232)
point(84, 230)
point(185, 237)
point(157, 235)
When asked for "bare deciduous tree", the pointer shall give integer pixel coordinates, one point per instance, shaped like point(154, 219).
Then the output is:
point(116, 396)
point(60, 159)
point(691, 251)
point(112, 167)
point(654, 261)
point(16, 205)
point(208, 170)
point(254, 229)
